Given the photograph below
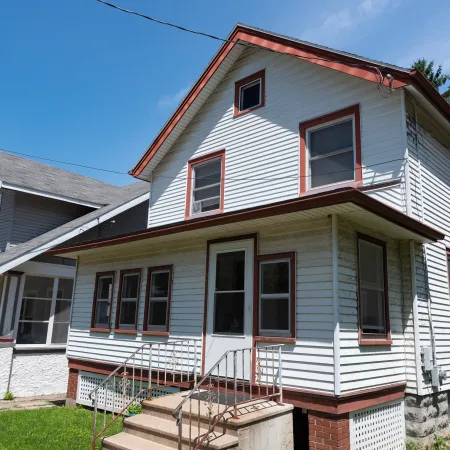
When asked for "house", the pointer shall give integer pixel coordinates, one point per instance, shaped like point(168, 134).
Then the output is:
point(298, 209)
point(41, 207)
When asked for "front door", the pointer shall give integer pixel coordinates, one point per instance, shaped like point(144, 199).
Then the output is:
point(229, 309)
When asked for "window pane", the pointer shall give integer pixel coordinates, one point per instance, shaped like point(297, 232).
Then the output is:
point(62, 310)
point(213, 191)
point(330, 139)
point(104, 288)
point(229, 313)
point(127, 313)
point(371, 264)
point(275, 314)
point(159, 284)
point(157, 314)
point(207, 173)
point(32, 333)
point(230, 271)
point(372, 311)
point(275, 278)
point(59, 335)
point(210, 205)
point(333, 169)
point(130, 286)
point(34, 309)
point(65, 288)
point(102, 314)
point(250, 96)
point(38, 287)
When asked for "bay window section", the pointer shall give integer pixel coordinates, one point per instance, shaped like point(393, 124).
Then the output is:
point(127, 303)
point(45, 310)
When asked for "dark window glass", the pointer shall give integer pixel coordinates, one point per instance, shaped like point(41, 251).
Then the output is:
point(275, 314)
point(65, 288)
point(102, 314)
point(104, 290)
point(35, 309)
point(157, 314)
point(62, 310)
point(40, 287)
point(229, 313)
point(60, 331)
point(230, 271)
point(127, 313)
point(130, 286)
point(207, 173)
point(333, 169)
point(275, 278)
point(32, 333)
point(160, 284)
point(331, 138)
point(250, 95)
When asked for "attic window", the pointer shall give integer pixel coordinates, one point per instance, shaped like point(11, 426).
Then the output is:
point(249, 93)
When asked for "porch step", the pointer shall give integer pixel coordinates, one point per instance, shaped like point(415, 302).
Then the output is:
point(126, 441)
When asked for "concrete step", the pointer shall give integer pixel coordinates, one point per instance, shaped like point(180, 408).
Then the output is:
point(126, 441)
point(165, 431)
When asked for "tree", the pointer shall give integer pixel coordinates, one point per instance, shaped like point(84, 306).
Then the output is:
point(436, 78)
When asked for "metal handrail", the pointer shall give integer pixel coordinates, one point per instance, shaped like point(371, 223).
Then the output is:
point(170, 359)
point(178, 411)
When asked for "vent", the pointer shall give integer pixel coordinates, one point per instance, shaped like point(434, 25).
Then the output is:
point(88, 381)
point(381, 427)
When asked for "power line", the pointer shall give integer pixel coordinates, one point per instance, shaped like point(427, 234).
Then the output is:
point(244, 44)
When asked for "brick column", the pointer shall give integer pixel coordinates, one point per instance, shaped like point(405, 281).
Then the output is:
point(328, 432)
point(72, 386)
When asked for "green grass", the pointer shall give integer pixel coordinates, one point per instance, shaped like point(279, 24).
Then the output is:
point(50, 429)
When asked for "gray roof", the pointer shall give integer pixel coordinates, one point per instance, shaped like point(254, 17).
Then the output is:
point(30, 249)
point(41, 177)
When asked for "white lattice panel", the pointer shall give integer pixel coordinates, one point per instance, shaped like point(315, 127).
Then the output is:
point(381, 427)
point(88, 381)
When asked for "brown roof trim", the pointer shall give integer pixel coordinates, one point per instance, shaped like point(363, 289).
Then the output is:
point(291, 46)
point(337, 197)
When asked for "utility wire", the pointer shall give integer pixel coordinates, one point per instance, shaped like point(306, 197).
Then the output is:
point(244, 44)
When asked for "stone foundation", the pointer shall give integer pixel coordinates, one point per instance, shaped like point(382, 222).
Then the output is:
point(426, 416)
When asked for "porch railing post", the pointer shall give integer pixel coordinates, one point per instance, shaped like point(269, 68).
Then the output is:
point(94, 430)
point(180, 429)
point(195, 362)
point(280, 374)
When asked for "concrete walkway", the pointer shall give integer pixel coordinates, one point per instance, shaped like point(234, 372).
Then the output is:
point(42, 401)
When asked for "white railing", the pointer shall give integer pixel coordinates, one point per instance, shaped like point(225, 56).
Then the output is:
point(239, 377)
point(162, 364)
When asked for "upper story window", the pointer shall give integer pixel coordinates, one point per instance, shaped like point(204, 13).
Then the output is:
point(205, 184)
point(373, 291)
point(277, 295)
point(157, 303)
point(103, 296)
point(45, 310)
point(128, 300)
point(330, 150)
point(249, 93)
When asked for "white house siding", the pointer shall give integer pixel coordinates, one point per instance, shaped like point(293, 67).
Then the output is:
point(6, 217)
point(307, 365)
point(429, 148)
point(6, 352)
point(262, 148)
point(365, 367)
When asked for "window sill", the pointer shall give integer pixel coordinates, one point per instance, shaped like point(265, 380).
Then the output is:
point(280, 340)
point(40, 348)
point(205, 214)
point(331, 187)
point(246, 111)
point(125, 331)
point(155, 333)
point(100, 330)
point(374, 341)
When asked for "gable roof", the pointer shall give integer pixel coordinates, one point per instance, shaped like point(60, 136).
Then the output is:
point(129, 196)
point(42, 179)
point(349, 63)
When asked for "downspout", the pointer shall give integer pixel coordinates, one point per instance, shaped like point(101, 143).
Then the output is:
point(406, 157)
point(336, 334)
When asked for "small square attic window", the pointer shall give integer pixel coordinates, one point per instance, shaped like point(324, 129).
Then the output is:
point(249, 93)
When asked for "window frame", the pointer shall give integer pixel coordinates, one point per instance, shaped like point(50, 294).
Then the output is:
point(220, 154)
point(305, 128)
point(99, 275)
point(123, 273)
point(160, 331)
point(373, 338)
point(273, 336)
point(51, 320)
point(260, 75)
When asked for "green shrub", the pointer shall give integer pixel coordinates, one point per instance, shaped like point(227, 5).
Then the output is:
point(411, 445)
point(135, 408)
point(8, 396)
point(440, 443)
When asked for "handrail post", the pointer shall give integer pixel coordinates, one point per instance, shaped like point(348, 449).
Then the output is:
point(235, 382)
point(180, 429)
point(280, 374)
point(195, 362)
point(94, 430)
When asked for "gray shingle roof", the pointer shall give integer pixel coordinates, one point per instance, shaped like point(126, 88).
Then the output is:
point(41, 177)
point(30, 249)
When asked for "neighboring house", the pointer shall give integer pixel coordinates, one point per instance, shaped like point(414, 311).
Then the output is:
point(41, 207)
point(301, 201)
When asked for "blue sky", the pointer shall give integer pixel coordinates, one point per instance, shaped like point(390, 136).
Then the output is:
point(84, 83)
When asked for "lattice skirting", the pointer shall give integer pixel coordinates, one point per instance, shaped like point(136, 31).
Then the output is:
point(88, 381)
point(381, 427)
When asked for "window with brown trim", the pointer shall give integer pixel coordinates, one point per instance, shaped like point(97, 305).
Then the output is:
point(102, 303)
point(127, 310)
point(276, 295)
point(205, 185)
point(330, 150)
point(157, 302)
point(249, 93)
point(373, 291)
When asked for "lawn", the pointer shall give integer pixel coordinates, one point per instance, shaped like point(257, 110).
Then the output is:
point(49, 429)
